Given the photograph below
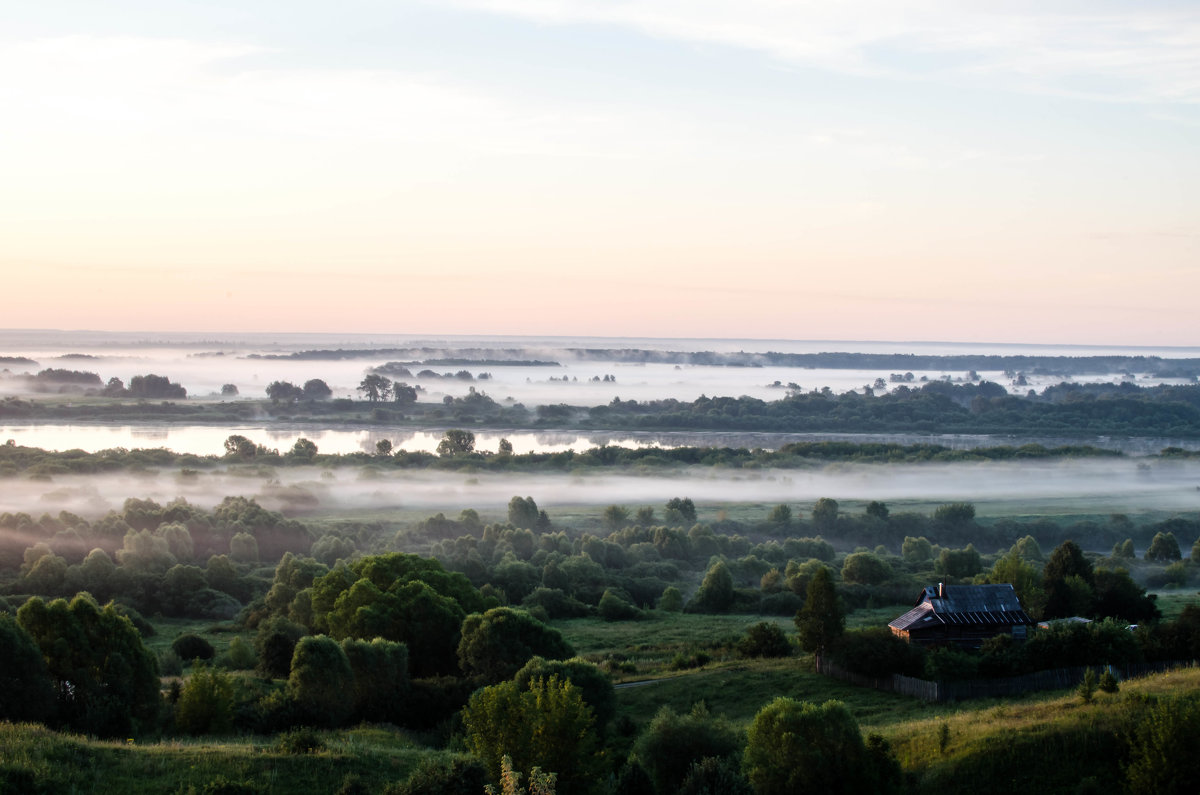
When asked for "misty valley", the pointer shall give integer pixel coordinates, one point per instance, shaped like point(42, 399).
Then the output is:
point(609, 566)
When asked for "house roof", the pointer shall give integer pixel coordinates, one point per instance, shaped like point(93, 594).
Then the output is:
point(982, 605)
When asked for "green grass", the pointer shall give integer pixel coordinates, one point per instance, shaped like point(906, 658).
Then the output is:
point(69, 763)
point(1171, 603)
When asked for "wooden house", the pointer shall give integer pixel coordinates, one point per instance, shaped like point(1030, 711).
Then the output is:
point(963, 615)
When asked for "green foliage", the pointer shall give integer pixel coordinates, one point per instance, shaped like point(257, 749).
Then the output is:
point(679, 511)
point(671, 600)
point(191, 646)
point(26, 689)
point(956, 513)
point(510, 781)
point(764, 639)
point(456, 442)
point(960, 563)
point(1025, 579)
point(672, 743)
point(107, 682)
point(865, 568)
point(1163, 759)
point(321, 681)
point(458, 775)
point(781, 514)
point(399, 597)
point(716, 591)
point(821, 620)
point(1163, 548)
point(801, 747)
point(594, 685)
point(916, 550)
point(876, 652)
point(1067, 579)
point(547, 725)
point(303, 740)
point(206, 703)
point(715, 776)
point(1087, 688)
point(380, 674)
point(614, 607)
point(497, 643)
point(1108, 682)
point(825, 512)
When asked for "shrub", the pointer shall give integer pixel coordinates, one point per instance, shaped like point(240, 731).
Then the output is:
point(764, 639)
point(192, 647)
point(303, 740)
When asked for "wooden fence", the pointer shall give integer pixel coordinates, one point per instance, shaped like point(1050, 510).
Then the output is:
point(1056, 679)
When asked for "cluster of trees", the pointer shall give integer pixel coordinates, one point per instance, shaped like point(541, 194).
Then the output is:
point(287, 392)
point(176, 559)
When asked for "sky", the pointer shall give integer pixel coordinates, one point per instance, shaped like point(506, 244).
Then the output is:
point(939, 170)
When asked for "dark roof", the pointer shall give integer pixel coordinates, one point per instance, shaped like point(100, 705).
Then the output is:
point(983, 605)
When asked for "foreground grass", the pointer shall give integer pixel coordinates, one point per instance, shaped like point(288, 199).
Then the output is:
point(33, 756)
point(1045, 743)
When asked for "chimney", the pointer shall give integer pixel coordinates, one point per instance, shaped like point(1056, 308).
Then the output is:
point(941, 590)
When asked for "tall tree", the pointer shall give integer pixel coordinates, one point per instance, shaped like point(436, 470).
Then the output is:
point(1068, 580)
point(376, 387)
point(821, 620)
point(456, 442)
point(547, 724)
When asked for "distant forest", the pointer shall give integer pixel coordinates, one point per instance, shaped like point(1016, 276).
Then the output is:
point(933, 407)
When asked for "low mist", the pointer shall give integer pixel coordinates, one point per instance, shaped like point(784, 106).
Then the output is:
point(1069, 487)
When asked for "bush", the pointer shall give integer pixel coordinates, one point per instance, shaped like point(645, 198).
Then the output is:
point(764, 639)
point(303, 740)
point(460, 775)
point(192, 647)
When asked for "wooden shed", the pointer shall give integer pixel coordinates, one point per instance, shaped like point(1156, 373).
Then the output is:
point(963, 615)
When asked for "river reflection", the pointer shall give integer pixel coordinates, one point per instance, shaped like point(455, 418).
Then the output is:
point(209, 439)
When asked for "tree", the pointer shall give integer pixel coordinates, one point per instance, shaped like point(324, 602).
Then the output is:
point(680, 511)
point(916, 550)
point(321, 682)
point(1025, 579)
point(26, 689)
point(1064, 578)
point(764, 639)
point(381, 684)
point(671, 600)
point(865, 568)
point(404, 394)
point(801, 747)
point(825, 512)
point(821, 620)
point(547, 725)
point(375, 387)
point(781, 514)
point(284, 392)
point(206, 703)
point(961, 563)
point(303, 450)
point(383, 448)
point(456, 442)
point(594, 685)
point(504, 448)
point(615, 517)
point(1162, 749)
point(497, 643)
point(877, 510)
point(229, 390)
point(672, 743)
point(955, 514)
point(523, 512)
point(316, 389)
point(241, 447)
point(106, 680)
point(716, 591)
point(1163, 548)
